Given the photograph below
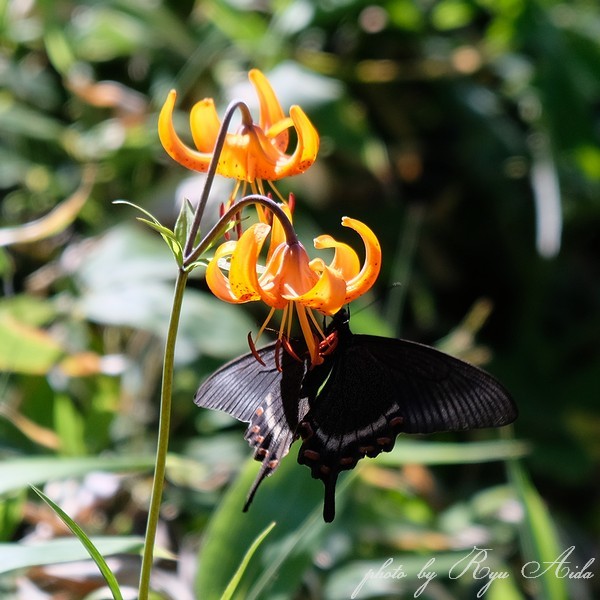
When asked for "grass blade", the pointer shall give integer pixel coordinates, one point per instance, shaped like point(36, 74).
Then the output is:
point(539, 538)
point(108, 575)
point(235, 580)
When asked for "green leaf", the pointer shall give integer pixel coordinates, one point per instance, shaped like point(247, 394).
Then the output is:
point(165, 232)
point(18, 473)
point(26, 349)
point(15, 556)
point(137, 207)
point(445, 453)
point(69, 425)
point(539, 537)
point(184, 222)
point(167, 235)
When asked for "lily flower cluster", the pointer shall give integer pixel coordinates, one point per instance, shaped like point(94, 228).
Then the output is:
point(288, 280)
point(257, 151)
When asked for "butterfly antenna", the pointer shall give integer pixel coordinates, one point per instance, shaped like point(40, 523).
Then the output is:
point(329, 502)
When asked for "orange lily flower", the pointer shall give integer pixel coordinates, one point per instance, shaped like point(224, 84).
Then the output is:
point(256, 151)
point(290, 279)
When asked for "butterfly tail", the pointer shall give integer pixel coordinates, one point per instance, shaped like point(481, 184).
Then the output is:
point(329, 503)
point(269, 452)
point(264, 472)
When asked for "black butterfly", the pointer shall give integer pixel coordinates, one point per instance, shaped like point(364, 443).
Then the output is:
point(367, 391)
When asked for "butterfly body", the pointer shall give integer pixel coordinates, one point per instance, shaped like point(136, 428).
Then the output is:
point(367, 391)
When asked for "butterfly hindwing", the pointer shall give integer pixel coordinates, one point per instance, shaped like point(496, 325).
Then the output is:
point(352, 415)
point(264, 397)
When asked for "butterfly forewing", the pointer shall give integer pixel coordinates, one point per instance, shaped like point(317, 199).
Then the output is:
point(239, 387)
point(435, 391)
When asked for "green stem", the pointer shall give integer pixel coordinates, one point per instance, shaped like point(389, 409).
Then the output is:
point(163, 437)
point(212, 167)
point(221, 226)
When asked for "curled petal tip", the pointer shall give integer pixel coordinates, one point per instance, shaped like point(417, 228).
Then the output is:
point(174, 146)
point(365, 279)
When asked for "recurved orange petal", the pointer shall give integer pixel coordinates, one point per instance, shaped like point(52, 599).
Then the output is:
point(345, 259)
point(307, 146)
point(174, 146)
point(365, 279)
point(271, 112)
point(327, 296)
point(205, 124)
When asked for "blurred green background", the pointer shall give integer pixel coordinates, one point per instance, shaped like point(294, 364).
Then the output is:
point(465, 133)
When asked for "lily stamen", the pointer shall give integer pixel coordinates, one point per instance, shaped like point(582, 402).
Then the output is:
point(285, 342)
point(254, 350)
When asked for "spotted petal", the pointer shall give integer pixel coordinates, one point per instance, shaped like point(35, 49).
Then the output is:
point(242, 283)
point(216, 281)
point(243, 277)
